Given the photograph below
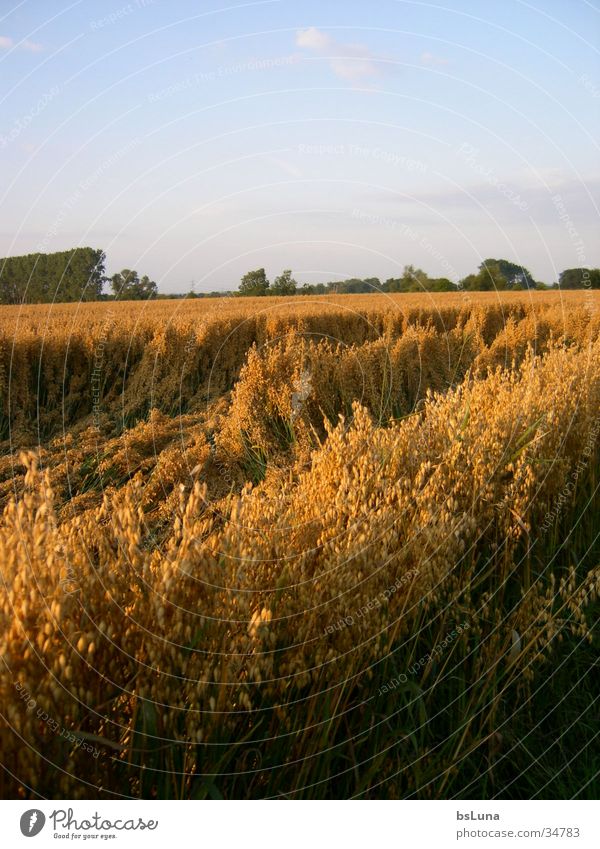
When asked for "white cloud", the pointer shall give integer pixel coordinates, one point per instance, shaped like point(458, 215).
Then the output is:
point(32, 46)
point(313, 39)
point(6, 42)
point(354, 63)
point(355, 69)
point(431, 59)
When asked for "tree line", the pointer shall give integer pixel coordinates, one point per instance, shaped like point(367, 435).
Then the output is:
point(492, 275)
point(74, 275)
point(79, 275)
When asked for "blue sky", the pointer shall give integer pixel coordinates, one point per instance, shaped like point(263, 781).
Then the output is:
point(196, 140)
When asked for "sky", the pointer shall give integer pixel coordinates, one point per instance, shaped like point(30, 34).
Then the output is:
point(194, 141)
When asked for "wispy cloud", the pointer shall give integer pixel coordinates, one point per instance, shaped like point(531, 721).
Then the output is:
point(32, 46)
point(354, 63)
point(428, 58)
point(6, 42)
point(578, 195)
point(313, 39)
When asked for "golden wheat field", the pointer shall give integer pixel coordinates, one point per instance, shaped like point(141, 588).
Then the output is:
point(299, 547)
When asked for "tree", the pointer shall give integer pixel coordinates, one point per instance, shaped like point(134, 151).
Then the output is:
point(440, 284)
point(579, 278)
point(517, 276)
point(127, 286)
point(284, 284)
point(412, 280)
point(499, 275)
point(74, 275)
point(491, 277)
point(254, 283)
point(84, 276)
point(470, 282)
point(503, 274)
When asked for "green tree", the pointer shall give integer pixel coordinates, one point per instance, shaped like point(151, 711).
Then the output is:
point(491, 277)
point(517, 276)
point(284, 284)
point(440, 284)
point(499, 275)
point(128, 286)
point(74, 275)
point(254, 283)
point(470, 282)
point(579, 278)
point(412, 280)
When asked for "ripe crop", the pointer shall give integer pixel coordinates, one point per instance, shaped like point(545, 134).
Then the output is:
point(299, 547)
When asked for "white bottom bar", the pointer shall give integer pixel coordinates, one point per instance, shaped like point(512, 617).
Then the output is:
point(289, 824)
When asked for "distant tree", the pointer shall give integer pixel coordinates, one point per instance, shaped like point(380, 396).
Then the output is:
point(579, 278)
point(284, 284)
point(352, 286)
point(392, 284)
point(516, 275)
point(470, 282)
point(74, 275)
point(415, 278)
point(491, 277)
point(412, 280)
point(128, 286)
point(440, 284)
point(254, 283)
point(499, 275)
point(374, 284)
